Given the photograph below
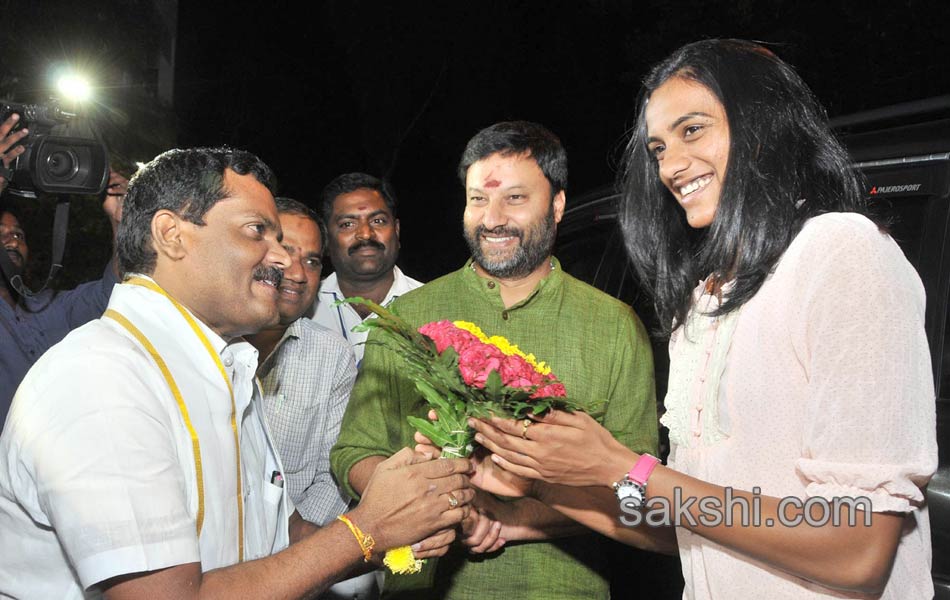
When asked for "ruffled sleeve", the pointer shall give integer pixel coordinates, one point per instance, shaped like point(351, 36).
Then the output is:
point(870, 428)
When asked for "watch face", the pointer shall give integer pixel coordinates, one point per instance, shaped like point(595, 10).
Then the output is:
point(630, 490)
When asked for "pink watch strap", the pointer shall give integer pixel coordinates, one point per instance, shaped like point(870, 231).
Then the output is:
point(641, 471)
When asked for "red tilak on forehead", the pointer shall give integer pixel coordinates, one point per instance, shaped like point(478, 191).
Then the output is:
point(492, 183)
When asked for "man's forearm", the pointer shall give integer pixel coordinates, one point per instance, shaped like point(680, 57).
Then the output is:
point(316, 561)
point(324, 557)
point(597, 509)
point(300, 528)
point(361, 472)
point(527, 519)
point(408, 504)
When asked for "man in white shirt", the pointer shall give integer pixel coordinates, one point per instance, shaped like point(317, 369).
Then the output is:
point(363, 234)
point(135, 460)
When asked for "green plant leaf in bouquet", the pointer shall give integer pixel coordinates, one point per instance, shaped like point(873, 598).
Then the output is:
point(448, 359)
point(519, 409)
point(427, 428)
point(537, 409)
point(493, 387)
point(437, 384)
point(364, 326)
point(435, 399)
point(485, 409)
point(452, 410)
point(517, 395)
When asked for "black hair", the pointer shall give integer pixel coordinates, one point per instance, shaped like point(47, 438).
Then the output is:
point(350, 182)
point(784, 167)
point(517, 138)
point(289, 206)
point(186, 181)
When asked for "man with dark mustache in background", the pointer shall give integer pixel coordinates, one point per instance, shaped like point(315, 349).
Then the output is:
point(360, 213)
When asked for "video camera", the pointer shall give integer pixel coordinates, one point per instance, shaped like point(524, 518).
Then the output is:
point(57, 159)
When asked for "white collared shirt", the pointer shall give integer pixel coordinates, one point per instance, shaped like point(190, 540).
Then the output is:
point(97, 471)
point(344, 318)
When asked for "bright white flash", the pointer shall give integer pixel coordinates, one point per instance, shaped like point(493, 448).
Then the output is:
point(74, 87)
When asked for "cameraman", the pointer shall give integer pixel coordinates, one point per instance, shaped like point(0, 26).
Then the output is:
point(29, 326)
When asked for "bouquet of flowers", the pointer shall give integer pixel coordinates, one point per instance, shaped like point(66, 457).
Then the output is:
point(462, 372)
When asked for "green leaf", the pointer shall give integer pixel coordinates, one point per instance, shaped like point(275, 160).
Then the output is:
point(427, 428)
point(493, 385)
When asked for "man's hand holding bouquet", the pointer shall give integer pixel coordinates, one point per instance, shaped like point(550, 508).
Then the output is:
point(464, 374)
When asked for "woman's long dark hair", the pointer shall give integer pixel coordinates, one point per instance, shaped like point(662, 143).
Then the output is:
point(785, 166)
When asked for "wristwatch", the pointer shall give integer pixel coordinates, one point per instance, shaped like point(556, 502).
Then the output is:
point(634, 483)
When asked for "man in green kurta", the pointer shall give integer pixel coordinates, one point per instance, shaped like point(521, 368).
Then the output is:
point(515, 175)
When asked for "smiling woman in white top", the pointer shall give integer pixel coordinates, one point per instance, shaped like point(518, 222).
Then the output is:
point(799, 366)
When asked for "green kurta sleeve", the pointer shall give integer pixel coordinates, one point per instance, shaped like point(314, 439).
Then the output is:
point(374, 423)
point(631, 398)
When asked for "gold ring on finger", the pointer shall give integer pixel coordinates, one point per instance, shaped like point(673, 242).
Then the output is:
point(524, 428)
point(453, 501)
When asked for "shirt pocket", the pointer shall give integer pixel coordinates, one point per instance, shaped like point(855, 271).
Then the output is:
point(263, 516)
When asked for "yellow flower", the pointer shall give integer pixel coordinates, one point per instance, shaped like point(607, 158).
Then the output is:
point(506, 347)
point(471, 328)
point(402, 561)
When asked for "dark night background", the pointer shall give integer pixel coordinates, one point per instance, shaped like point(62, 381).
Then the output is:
point(397, 88)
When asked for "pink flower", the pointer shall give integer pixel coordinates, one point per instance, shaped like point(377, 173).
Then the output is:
point(477, 361)
point(516, 372)
point(445, 334)
point(552, 390)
